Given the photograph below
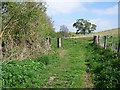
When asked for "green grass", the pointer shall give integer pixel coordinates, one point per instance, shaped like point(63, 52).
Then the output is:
point(71, 67)
point(66, 65)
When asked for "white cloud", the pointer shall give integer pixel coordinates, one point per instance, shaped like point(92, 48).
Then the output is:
point(63, 7)
point(56, 7)
point(81, 0)
point(109, 11)
point(103, 24)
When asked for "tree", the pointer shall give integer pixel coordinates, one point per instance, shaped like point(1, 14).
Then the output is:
point(64, 30)
point(84, 26)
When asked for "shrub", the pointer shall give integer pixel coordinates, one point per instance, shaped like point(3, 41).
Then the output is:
point(104, 67)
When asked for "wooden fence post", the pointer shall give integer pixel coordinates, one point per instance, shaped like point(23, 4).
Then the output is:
point(58, 42)
point(118, 48)
point(119, 39)
point(1, 53)
point(105, 42)
point(99, 40)
point(48, 45)
point(110, 42)
point(49, 41)
point(95, 39)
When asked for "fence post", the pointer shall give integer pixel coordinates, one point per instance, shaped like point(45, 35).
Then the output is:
point(105, 42)
point(47, 44)
point(49, 41)
point(58, 42)
point(111, 44)
point(95, 39)
point(99, 40)
point(118, 49)
point(1, 53)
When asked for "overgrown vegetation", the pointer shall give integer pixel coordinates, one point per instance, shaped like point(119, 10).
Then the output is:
point(25, 26)
point(104, 66)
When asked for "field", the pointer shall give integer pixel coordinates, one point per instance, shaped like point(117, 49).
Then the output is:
point(112, 32)
point(68, 67)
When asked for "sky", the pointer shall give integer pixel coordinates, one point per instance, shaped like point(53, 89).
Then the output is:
point(103, 13)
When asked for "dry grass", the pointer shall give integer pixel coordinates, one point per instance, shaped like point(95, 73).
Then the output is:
point(112, 32)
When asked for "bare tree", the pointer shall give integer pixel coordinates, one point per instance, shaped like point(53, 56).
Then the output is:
point(64, 30)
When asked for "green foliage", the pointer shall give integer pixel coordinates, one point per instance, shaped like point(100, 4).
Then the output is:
point(67, 69)
point(84, 26)
point(21, 74)
point(104, 67)
point(25, 26)
point(44, 59)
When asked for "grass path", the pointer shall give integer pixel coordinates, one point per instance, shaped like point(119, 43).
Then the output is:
point(61, 68)
point(70, 70)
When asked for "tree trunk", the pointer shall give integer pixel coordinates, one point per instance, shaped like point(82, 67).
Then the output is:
point(84, 31)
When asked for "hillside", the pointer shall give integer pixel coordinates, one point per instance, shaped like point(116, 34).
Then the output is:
point(113, 32)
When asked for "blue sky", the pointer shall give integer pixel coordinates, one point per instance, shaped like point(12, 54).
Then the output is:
point(65, 12)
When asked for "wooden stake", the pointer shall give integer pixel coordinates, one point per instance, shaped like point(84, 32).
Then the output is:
point(105, 42)
point(58, 42)
point(95, 39)
point(1, 54)
point(99, 40)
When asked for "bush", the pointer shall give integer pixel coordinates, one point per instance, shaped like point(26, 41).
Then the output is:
point(104, 67)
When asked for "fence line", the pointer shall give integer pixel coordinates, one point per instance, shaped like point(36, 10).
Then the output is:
point(107, 42)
